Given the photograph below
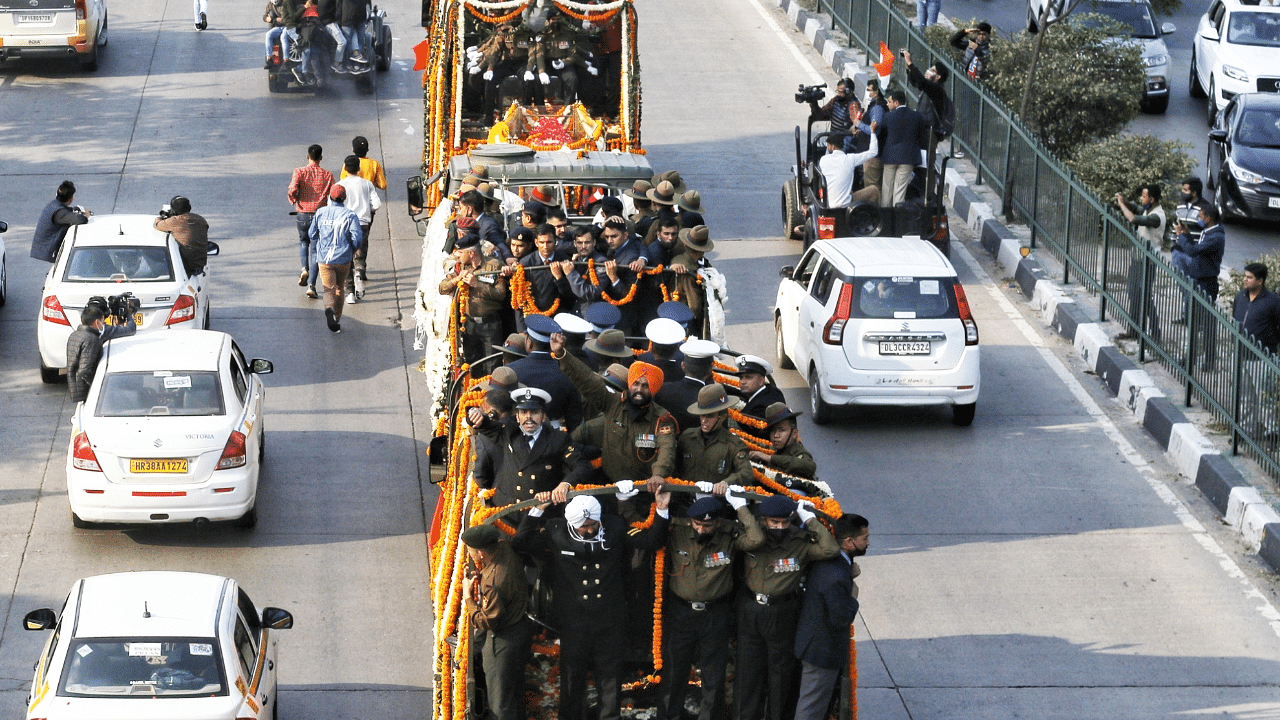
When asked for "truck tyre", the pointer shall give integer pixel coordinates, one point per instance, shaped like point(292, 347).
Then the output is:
point(791, 214)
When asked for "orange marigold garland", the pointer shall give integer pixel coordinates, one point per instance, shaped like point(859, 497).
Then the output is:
point(853, 671)
point(631, 294)
point(495, 19)
point(600, 19)
point(659, 582)
point(522, 295)
point(744, 419)
point(727, 380)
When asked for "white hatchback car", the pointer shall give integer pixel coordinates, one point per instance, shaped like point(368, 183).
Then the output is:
point(878, 321)
point(171, 431)
point(1236, 50)
point(153, 645)
point(111, 255)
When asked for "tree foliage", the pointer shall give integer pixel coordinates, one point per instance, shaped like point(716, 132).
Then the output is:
point(1087, 85)
point(1124, 163)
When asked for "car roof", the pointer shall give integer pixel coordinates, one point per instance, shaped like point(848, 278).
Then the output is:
point(1250, 4)
point(166, 350)
point(1259, 100)
point(866, 256)
point(119, 230)
point(180, 604)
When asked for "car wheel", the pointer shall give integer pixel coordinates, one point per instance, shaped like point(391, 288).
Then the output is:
point(962, 415)
point(791, 214)
point(819, 410)
point(262, 445)
point(383, 61)
point(206, 317)
point(1031, 22)
point(90, 64)
point(48, 375)
point(1220, 202)
point(102, 34)
point(1156, 106)
point(249, 520)
point(1193, 80)
point(78, 523)
point(1209, 182)
point(4, 282)
point(779, 347)
point(1211, 105)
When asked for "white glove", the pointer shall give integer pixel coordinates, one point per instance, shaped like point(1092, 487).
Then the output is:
point(804, 513)
point(587, 25)
point(557, 64)
point(488, 74)
point(528, 75)
point(736, 501)
point(592, 69)
point(473, 51)
point(705, 486)
point(626, 490)
point(474, 69)
point(544, 78)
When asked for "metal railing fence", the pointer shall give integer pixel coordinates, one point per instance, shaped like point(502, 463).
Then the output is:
point(1179, 326)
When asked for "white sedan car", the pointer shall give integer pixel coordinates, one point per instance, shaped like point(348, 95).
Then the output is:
point(153, 645)
point(878, 321)
point(171, 431)
point(111, 255)
point(1236, 50)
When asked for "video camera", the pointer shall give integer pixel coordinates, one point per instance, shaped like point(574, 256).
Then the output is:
point(810, 93)
point(119, 307)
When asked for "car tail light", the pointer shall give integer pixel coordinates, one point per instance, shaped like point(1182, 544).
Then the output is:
point(233, 455)
point(51, 311)
point(966, 317)
point(184, 309)
point(833, 333)
point(941, 227)
point(82, 457)
point(826, 228)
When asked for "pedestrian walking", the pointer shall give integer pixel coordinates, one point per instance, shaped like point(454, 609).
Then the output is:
point(335, 235)
point(201, 14)
point(363, 200)
point(55, 220)
point(309, 191)
point(927, 12)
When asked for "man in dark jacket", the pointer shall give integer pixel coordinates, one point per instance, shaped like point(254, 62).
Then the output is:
point(539, 370)
point(548, 284)
point(190, 230)
point(1201, 260)
point(1257, 309)
point(830, 604)
point(935, 106)
point(84, 348)
point(587, 556)
point(975, 43)
point(756, 391)
point(905, 135)
point(56, 218)
point(527, 456)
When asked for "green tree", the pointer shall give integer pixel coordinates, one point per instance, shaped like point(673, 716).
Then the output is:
point(1124, 163)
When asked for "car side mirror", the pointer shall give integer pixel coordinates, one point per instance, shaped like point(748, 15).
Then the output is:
point(277, 619)
point(417, 195)
point(213, 249)
point(4, 226)
point(1168, 29)
point(786, 271)
point(1218, 135)
point(42, 619)
point(1210, 34)
point(258, 366)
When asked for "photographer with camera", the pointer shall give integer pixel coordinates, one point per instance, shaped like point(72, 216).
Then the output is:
point(189, 229)
point(84, 347)
point(841, 111)
point(55, 220)
point(975, 43)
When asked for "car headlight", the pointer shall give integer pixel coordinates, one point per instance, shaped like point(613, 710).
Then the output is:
point(1235, 73)
point(1155, 60)
point(1242, 175)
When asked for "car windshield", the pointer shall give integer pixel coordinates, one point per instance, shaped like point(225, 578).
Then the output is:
point(906, 297)
point(1136, 17)
point(119, 264)
point(1254, 28)
point(1259, 128)
point(135, 394)
point(143, 667)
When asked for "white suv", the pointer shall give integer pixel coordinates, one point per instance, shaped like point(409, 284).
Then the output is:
point(878, 321)
point(1236, 50)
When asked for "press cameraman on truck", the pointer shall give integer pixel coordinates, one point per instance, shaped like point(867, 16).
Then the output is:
point(84, 347)
point(189, 229)
point(841, 111)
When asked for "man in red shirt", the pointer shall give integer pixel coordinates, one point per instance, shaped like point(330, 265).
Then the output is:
point(309, 191)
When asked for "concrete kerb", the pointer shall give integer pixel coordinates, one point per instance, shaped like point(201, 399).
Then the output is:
point(1190, 452)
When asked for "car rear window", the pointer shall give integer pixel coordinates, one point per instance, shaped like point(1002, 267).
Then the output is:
point(906, 297)
point(135, 394)
point(119, 264)
point(143, 667)
point(1254, 28)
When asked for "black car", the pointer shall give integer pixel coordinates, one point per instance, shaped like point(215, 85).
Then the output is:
point(1244, 157)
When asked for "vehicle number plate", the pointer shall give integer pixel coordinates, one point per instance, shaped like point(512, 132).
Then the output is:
point(1273, 202)
point(137, 319)
point(158, 465)
point(33, 19)
point(923, 347)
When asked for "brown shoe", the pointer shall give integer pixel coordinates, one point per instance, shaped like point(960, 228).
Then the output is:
point(302, 279)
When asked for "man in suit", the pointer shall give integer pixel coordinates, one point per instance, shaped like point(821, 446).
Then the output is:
point(528, 456)
point(665, 336)
point(538, 370)
point(756, 391)
point(587, 556)
point(625, 257)
point(547, 284)
point(678, 396)
point(830, 604)
point(906, 134)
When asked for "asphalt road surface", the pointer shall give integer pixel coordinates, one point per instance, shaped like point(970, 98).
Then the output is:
point(1041, 563)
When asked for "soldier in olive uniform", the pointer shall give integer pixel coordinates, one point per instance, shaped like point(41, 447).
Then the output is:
point(586, 555)
point(504, 54)
point(756, 391)
point(699, 356)
point(769, 606)
point(485, 297)
point(502, 631)
point(528, 456)
point(560, 51)
point(789, 455)
point(710, 454)
point(698, 622)
point(637, 437)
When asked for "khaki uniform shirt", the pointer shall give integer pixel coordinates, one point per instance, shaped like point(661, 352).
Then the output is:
point(776, 568)
point(500, 594)
point(794, 459)
point(723, 457)
point(559, 45)
point(702, 573)
point(489, 293)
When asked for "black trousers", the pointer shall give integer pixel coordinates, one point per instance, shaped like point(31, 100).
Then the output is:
point(598, 651)
point(695, 635)
point(503, 656)
point(766, 659)
point(478, 335)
